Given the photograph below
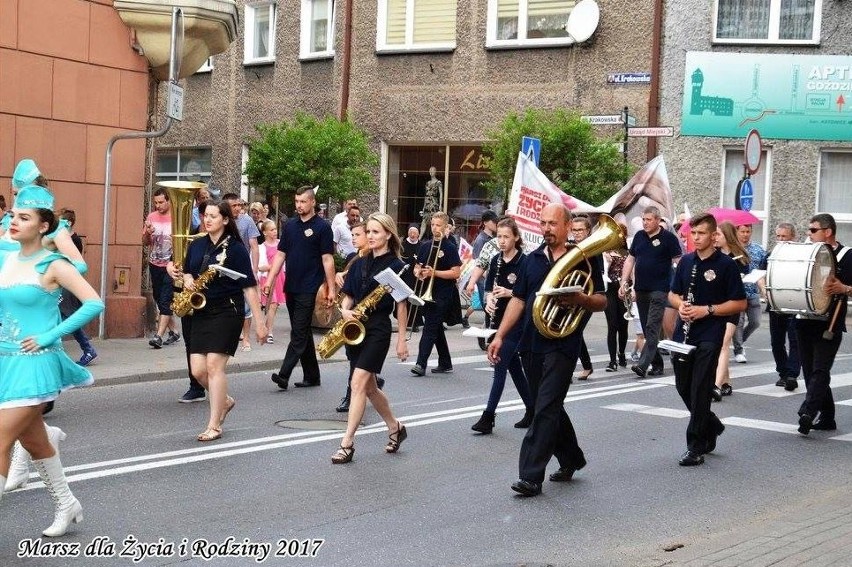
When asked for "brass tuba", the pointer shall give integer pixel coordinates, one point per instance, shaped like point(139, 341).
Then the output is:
point(553, 320)
point(182, 199)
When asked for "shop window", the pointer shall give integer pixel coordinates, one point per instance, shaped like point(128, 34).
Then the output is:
point(767, 21)
point(416, 25)
point(834, 194)
point(731, 176)
point(184, 164)
point(317, 35)
point(260, 33)
point(528, 23)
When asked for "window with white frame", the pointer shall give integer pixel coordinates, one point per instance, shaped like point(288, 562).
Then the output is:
point(767, 21)
point(528, 23)
point(259, 33)
point(834, 194)
point(416, 25)
point(207, 66)
point(184, 164)
point(760, 181)
point(317, 36)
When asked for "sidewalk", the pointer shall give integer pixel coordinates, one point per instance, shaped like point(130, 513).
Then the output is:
point(124, 361)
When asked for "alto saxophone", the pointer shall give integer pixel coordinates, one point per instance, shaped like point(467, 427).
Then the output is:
point(352, 332)
point(186, 302)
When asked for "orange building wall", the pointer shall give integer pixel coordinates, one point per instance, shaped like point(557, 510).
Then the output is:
point(69, 81)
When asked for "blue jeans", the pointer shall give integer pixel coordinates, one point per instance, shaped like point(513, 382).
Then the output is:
point(744, 331)
point(510, 361)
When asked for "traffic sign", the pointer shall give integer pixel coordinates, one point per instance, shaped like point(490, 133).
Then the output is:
point(174, 109)
point(745, 195)
point(753, 152)
point(531, 147)
point(604, 119)
point(650, 132)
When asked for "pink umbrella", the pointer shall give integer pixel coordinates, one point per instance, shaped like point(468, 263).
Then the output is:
point(735, 216)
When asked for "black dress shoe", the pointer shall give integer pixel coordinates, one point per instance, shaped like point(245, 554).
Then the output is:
point(564, 474)
point(380, 382)
point(282, 382)
point(655, 372)
point(444, 370)
point(781, 383)
point(612, 367)
point(526, 487)
point(713, 436)
point(526, 421)
point(806, 423)
point(622, 361)
point(691, 459)
point(418, 370)
point(726, 390)
point(824, 425)
point(791, 384)
point(306, 384)
point(343, 406)
point(639, 372)
point(716, 394)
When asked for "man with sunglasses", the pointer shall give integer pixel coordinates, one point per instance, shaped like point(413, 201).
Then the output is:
point(815, 350)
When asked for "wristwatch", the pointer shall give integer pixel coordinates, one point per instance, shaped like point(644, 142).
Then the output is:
point(711, 309)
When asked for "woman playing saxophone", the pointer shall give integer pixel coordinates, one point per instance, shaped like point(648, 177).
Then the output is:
point(370, 354)
point(215, 328)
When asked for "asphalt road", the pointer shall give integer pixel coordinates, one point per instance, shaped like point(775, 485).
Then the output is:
point(268, 490)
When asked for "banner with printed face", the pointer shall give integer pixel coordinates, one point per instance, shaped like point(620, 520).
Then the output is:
point(532, 191)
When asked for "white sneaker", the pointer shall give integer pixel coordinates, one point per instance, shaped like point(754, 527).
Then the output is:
point(740, 358)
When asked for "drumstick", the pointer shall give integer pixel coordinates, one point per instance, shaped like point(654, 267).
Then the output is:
point(828, 334)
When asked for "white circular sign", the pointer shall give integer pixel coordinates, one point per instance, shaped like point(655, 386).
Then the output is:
point(753, 151)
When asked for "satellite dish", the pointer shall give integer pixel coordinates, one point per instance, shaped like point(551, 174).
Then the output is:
point(583, 20)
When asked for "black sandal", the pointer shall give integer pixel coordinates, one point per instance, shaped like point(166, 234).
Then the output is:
point(343, 455)
point(396, 438)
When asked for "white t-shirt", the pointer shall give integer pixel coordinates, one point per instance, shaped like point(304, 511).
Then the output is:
point(343, 239)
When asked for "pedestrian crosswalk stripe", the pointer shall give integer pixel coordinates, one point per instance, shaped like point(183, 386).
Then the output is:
point(649, 410)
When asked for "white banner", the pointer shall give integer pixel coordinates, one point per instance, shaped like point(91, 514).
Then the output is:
point(532, 191)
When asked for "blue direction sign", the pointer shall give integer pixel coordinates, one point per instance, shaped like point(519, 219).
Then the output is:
point(745, 195)
point(531, 147)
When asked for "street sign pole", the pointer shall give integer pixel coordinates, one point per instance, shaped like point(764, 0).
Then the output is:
point(625, 117)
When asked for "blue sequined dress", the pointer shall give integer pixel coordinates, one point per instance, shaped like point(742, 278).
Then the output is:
point(26, 310)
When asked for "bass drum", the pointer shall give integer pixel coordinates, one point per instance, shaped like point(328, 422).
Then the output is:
point(796, 272)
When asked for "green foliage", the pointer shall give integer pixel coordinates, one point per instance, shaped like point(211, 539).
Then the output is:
point(582, 165)
point(332, 154)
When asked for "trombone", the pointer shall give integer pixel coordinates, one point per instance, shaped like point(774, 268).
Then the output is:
point(426, 295)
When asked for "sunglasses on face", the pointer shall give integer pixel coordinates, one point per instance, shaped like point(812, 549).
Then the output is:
point(813, 230)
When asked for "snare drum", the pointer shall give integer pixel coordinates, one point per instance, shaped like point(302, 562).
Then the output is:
point(796, 272)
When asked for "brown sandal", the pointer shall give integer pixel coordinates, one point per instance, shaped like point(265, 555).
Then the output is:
point(229, 405)
point(396, 438)
point(343, 455)
point(210, 434)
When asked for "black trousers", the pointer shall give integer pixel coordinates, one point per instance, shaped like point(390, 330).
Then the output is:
point(817, 356)
point(694, 381)
point(186, 328)
point(300, 307)
point(434, 315)
point(585, 359)
point(551, 433)
point(616, 324)
point(782, 330)
point(651, 306)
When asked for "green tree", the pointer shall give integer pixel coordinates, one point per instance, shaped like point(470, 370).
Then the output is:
point(332, 154)
point(581, 164)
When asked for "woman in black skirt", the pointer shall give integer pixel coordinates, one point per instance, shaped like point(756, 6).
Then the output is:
point(216, 327)
point(369, 356)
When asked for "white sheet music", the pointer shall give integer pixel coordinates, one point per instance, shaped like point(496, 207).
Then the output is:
point(399, 289)
point(560, 290)
point(479, 333)
point(681, 348)
point(233, 274)
point(754, 276)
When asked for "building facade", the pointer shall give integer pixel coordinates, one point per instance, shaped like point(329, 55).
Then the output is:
point(426, 80)
point(778, 66)
point(69, 81)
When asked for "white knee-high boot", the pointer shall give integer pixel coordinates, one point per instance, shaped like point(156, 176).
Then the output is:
point(19, 470)
point(67, 508)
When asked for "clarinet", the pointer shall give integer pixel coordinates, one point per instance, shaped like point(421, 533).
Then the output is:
point(690, 299)
point(493, 323)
